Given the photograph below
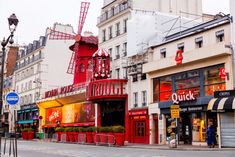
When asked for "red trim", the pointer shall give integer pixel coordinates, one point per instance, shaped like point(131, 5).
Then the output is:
point(127, 122)
point(99, 115)
point(78, 124)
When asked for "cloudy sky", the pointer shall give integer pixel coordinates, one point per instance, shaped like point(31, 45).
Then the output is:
point(36, 15)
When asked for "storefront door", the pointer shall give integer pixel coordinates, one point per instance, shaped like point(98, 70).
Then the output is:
point(139, 131)
point(185, 129)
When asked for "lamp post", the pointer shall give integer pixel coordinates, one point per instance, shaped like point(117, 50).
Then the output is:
point(13, 22)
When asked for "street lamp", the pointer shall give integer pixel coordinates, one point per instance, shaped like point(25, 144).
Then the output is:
point(13, 22)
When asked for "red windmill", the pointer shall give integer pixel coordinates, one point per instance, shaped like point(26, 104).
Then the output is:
point(83, 47)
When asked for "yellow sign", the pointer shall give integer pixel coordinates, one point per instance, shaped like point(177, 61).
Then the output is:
point(175, 111)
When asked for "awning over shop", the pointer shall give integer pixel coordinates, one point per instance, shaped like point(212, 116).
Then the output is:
point(227, 103)
point(25, 121)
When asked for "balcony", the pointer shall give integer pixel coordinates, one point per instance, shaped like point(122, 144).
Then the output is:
point(118, 9)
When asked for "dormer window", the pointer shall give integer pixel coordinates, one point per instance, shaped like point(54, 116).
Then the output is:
point(219, 36)
point(181, 46)
point(199, 42)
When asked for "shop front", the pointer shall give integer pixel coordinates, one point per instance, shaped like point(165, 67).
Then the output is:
point(27, 117)
point(111, 99)
point(223, 104)
point(192, 91)
point(139, 126)
point(65, 108)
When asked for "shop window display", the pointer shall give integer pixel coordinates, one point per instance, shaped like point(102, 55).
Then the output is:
point(199, 127)
point(213, 82)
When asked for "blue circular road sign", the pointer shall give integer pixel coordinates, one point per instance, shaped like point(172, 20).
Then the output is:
point(12, 98)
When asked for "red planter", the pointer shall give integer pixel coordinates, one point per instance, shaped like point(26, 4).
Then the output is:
point(71, 136)
point(89, 137)
point(95, 138)
point(30, 135)
point(58, 136)
point(75, 136)
point(120, 138)
point(111, 138)
point(103, 139)
point(24, 135)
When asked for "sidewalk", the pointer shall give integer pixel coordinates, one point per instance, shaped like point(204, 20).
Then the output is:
point(179, 147)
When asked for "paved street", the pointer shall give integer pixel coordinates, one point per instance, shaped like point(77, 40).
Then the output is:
point(47, 149)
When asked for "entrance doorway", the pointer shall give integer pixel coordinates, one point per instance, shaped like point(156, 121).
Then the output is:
point(112, 113)
point(185, 128)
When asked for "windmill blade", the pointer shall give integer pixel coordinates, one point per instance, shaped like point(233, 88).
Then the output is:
point(57, 35)
point(73, 59)
point(70, 69)
point(83, 12)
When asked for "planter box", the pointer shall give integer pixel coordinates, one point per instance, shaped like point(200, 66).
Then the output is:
point(30, 135)
point(120, 138)
point(27, 135)
point(89, 137)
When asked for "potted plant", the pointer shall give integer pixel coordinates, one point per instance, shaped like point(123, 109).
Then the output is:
point(59, 131)
point(89, 135)
point(111, 137)
point(75, 132)
point(27, 133)
point(67, 132)
point(82, 135)
point(119, 135)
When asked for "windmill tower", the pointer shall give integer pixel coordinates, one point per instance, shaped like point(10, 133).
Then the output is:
point(83, 48)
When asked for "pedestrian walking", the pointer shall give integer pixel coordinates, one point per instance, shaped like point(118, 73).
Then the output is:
point(210, 134)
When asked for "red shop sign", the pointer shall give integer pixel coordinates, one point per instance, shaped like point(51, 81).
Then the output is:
point(222, 73)
point(138, 112)
point(179, 57)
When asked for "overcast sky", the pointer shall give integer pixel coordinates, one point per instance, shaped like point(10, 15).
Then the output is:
point(36, 15)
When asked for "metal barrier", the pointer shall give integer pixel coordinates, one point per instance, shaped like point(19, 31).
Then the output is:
point(63, 138)
point(54, 138)
point(81, 138)
point(105, 139)
point(12, 147)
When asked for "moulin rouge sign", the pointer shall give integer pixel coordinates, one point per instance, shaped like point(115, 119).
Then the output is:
point(185, 96)
point(106, 88)
point(58, 91)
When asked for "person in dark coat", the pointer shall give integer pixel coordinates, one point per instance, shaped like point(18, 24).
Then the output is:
point(210, 133)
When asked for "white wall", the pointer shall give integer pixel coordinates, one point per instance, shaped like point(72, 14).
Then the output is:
point(232, 12)
point(56, 60)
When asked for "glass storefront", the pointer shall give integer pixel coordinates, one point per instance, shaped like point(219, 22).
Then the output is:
point(199, 127)
point(163, 87)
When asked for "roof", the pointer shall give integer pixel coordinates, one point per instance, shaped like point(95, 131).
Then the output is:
point(101, 53)
point(87, 40)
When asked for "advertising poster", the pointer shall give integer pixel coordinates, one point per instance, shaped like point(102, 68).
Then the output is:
point(53, 114)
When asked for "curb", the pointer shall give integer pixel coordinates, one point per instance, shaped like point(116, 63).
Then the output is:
point(179, 148)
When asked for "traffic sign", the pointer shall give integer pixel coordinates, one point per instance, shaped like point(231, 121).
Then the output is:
point(175, 111)
point(12, 98)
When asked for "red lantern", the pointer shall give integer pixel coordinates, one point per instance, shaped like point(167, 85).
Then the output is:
point(179, 57)
point(222, 73)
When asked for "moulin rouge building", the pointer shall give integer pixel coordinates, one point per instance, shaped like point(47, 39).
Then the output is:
point(93, 100)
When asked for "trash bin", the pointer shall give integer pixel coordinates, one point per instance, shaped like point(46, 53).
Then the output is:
point(40, 135)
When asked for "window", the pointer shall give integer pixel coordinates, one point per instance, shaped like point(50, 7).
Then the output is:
point(110, 52)
point(162, 88)
point(188, 81)
point(163, 53)
point(144, 98)
point(139, 129)
point(199, 42)
point(117, 51)
point(212, 81)
point(104, 35)
point(118, 29)
point(219, 36)
point(135, 94)
point(125, 73)
point(134, 78)
point(110, 32)
point(124, 50)
point(125, 25)
point(181, 46)
point(118, 73)
point(143, 76)
point(82, 68)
